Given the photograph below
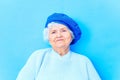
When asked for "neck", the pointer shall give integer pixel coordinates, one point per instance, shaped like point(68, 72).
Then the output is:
point(62, 51)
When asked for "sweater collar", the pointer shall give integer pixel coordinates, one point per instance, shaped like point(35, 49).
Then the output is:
point(56, 55)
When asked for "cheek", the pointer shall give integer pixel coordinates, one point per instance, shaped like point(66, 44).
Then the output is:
point(51, 38)
point(68, 37)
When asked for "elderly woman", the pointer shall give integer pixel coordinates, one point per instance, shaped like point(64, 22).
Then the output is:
point(59, 62)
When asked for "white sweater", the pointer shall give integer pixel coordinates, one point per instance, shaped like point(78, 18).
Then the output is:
point(46, 64)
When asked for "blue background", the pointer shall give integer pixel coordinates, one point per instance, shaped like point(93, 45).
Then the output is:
point(22, 23)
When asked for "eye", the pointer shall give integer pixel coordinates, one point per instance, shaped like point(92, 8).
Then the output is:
point(53, 32)
point(64, 30)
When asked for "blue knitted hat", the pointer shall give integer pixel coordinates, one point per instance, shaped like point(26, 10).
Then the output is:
point(65, 20)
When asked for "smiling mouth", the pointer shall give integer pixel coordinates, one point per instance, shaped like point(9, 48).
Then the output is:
point(59, 40)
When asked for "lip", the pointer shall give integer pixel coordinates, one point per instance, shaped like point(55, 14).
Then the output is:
point(59, 39)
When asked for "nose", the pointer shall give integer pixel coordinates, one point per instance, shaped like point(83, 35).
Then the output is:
point(59, 34)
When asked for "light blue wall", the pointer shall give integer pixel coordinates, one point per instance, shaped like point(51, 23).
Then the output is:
point(22, 22)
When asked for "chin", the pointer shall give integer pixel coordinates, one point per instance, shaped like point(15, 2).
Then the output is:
point(60, 45)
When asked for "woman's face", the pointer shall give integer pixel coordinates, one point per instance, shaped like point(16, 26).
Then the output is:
point(59, 36)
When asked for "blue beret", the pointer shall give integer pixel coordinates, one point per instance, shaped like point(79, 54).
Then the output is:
point(65, 20)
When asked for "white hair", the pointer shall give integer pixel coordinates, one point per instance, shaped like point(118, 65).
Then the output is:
point(46, 31)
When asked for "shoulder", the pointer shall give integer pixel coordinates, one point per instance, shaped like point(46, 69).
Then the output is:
point(80, 57)
point(39, 52)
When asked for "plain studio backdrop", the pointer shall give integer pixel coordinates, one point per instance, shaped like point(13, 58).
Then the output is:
point(22, 23)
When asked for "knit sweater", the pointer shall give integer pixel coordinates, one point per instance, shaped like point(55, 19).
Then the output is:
point(46, 64)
